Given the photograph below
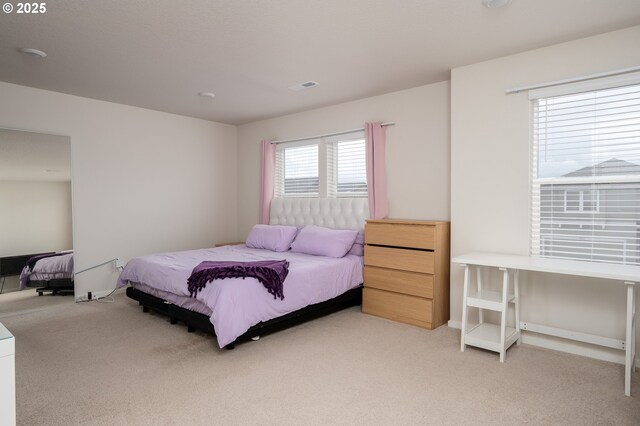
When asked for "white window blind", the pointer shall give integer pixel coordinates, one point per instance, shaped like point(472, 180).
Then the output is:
point(586, 173)
point(347, 170)
point(333, 167)
point(297, 173)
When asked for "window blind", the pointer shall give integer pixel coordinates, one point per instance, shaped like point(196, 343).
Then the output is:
point(585, 192)
point(297, 171)
point(347, 169)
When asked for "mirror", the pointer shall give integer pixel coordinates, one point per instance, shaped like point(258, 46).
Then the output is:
point(35, 213)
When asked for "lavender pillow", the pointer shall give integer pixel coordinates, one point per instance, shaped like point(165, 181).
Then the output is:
point(358, 246)
point(321, 241)
point(271, 237)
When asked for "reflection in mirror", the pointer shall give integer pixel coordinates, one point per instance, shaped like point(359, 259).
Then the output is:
point(35, 213)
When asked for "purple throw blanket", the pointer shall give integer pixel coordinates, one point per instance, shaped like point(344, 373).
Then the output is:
point(271, 273)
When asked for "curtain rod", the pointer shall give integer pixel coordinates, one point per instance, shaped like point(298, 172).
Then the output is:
point(573, 80)
point(389, 123)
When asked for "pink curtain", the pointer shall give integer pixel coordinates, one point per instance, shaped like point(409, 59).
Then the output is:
point(376, 140)
point(268, 176)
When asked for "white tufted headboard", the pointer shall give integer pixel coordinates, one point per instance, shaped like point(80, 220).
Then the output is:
point(338, 213)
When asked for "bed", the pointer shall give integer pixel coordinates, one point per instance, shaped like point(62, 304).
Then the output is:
point(237, 311)
point(49, 272)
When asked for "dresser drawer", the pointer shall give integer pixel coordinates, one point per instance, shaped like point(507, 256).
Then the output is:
point(399, 281)
point(399, 235)
point(395, 258)
point(398, 307)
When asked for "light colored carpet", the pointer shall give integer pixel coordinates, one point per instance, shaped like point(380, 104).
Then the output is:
point(111, 364)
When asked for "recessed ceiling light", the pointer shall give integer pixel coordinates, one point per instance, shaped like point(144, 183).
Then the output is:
point(35, 53)
point(494, 4)
point(210, 95)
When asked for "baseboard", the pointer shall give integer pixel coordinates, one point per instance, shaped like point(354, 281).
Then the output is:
point(568, 346)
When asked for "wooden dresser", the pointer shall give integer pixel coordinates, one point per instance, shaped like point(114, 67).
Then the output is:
point(406, 272)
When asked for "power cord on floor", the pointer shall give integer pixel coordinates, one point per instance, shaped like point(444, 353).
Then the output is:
point(110, 299)
point(101, 298)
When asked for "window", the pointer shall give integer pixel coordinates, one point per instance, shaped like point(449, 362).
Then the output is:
point(586, 171)
point(297, 171)
point(332, 167)
point(347, 177)
point(586, 200)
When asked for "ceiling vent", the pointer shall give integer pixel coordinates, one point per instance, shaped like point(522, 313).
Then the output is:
point(302, 86)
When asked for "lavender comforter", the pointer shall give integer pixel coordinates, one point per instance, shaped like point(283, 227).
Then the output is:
point(59, 266)
point(236, 303)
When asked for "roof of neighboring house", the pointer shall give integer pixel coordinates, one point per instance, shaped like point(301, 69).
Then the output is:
point(607, 168)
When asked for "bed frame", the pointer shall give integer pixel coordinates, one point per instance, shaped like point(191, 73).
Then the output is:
point(197, 321)
point(56, 286)
point(339, 213)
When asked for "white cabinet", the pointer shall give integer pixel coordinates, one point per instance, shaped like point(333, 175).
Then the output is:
point(7, 378)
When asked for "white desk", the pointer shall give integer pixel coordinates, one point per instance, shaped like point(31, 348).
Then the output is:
point(626, 274)
point(7, 378)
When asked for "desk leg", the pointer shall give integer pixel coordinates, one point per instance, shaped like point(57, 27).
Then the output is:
point(479, 287)
point(633, 331)
point(464, 307)
point(516, 301)
point(505, 305)
point(629, 341)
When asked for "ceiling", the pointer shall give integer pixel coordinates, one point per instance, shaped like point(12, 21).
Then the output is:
point(159, 54)
point(27, 156)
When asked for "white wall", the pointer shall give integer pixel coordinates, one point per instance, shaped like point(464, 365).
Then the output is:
point(143, 181)
point(490, 138)
point(417, 149)
point(35, 217)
